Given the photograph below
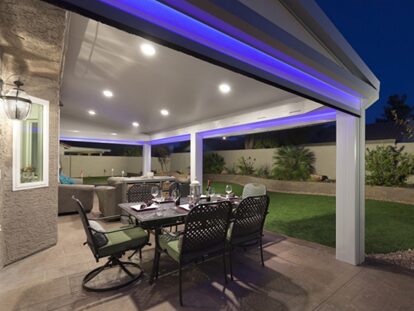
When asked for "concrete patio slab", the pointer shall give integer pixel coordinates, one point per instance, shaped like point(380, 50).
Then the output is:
point(298, 275)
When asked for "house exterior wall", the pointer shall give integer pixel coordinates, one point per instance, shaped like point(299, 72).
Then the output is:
point(31, 40)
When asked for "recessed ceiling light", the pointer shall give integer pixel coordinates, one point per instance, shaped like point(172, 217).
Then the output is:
point(165, 112)
point(224, 138)
point(92, 112)
point(224, 88)
point(107, 93)
point(74, 131)
point(136, 124)
point(114, 134)
point(147, 49)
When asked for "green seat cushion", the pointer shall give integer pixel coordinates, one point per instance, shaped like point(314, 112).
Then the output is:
point(171, 245)
point(121, 241)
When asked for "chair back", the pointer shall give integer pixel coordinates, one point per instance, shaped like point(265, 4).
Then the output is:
point(140, 193)
point(249, 217)
point(183, 188)
point(253, 190)
point(205, 229)
point(86, 226)
point(173, 186)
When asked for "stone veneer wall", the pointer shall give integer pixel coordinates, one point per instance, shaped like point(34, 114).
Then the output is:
point(32, 43)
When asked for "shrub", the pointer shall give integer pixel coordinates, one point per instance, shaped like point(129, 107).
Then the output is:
point(246, 165)
point(293, 163)
point(263, 171)
point(388, 166)
point(213, 163)
point(231, 170)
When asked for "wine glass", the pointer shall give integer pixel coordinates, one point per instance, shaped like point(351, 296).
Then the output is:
point(229, 190)
point(175, 195)
point(154, 191)
point(212, 193)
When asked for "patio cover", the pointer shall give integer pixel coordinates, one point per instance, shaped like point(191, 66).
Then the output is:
point(289, 44)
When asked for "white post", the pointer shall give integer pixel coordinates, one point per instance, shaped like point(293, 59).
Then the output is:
point(350, 188)
point(196, 158)
point(146, 159)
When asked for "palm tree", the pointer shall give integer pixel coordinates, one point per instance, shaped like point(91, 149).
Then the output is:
point(293, 163)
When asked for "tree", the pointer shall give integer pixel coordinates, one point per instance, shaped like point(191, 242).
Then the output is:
point(132, 151)
point(397, 108)
point(163, 153)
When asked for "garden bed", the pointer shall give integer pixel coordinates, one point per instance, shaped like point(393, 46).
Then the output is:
point(388, 194)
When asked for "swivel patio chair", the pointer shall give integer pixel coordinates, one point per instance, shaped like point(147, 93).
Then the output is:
point(204, 236)
point(247, 226)
point(253, 190)
point(140, 193)
point(112, 244)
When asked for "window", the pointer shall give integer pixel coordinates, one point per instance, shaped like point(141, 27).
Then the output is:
point(31, 148)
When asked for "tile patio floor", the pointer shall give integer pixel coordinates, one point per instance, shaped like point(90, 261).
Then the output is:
point(298, 276)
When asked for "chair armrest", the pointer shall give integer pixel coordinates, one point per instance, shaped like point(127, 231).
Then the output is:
point(110, 231)
point(114, 217)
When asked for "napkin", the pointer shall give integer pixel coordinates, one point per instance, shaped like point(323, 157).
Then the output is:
point(143, 207)
point(186, 207)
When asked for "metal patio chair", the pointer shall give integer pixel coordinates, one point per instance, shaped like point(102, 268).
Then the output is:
point(112, 244)
point(204, 236)
point(247, 226)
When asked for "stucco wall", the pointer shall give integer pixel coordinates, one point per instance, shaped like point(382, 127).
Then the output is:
point(103, 165)
point(325, 156)
point(32, 39)
point(325, 163)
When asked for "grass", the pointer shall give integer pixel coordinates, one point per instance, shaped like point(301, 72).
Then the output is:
point(100, 180)
point(389, 226)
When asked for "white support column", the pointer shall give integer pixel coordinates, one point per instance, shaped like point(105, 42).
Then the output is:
point(350, 188)
point(146, 159)
point(196, 158)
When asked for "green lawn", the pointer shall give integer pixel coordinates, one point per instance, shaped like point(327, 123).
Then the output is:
point(389, 226)
point(100, 180)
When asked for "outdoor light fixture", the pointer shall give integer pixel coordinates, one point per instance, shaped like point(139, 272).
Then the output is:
point(224, 137)
point(107, 93)
point(147, 49)
point(114, 134)
point(92, 112)
point(165, 112)
point(16, 102)
point(136, 124)
point(224, 88)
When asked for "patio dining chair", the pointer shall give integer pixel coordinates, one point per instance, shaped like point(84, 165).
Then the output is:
point(183, 188)
point(112, 244)
point(253, 190)
point(204, 236)
point(140, 192)
point(247, 226)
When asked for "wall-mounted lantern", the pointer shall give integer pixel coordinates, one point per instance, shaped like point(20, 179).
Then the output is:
point(16, 103)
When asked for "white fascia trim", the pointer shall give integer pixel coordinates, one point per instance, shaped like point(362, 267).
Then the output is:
point(288, 108)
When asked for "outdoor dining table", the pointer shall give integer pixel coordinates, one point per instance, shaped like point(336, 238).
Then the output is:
point(167, 214)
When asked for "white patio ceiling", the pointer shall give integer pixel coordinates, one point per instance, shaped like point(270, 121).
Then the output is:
point(101, 57)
